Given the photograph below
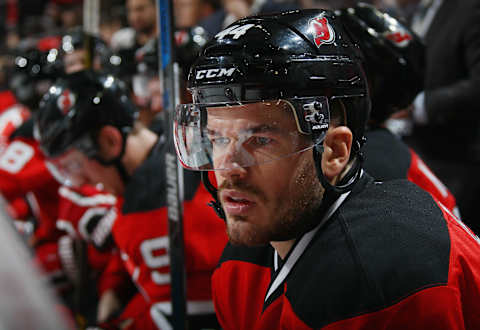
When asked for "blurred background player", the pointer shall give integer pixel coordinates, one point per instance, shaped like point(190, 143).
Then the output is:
point(445, 112)
point(232, 10)
point(107, 145)
point(146, 84)
point(189, 13)
point(392, 50)
point(26, 176)
point(142, 27)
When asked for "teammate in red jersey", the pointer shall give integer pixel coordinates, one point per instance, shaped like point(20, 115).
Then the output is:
point(12, 116)
point(392, 51)
point(315, 242)
point(93, 139)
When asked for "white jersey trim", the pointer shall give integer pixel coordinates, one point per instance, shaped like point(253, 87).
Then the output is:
point(86, 201)
point(300, 248)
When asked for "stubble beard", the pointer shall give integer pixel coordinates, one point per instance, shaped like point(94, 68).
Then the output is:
point(290, 215)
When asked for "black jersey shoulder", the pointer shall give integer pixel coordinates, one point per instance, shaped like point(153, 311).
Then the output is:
point(383, 244)
point(386, 156)
point(258, 255)
point(146, 190)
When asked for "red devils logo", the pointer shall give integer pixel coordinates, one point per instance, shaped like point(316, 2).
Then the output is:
point(322, 31)
point(400, 38)
point(181, 37)
point(66, 101)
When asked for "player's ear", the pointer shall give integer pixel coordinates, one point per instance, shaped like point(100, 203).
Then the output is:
point(110, 142)
point(336, 154)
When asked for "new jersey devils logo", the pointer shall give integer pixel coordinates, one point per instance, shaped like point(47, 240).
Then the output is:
point(400, 38)
point(66, 101)
point(181, 37)
point(323, 33)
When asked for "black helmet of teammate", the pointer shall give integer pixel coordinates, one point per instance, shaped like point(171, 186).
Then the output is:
point(76, 107)
point(189, 43)
point(77, 39)
point(33, 69)
point(394, 58)
point(304, 58)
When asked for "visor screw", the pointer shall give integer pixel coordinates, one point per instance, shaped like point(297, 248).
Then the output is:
point(229, 93)
point(317, 105)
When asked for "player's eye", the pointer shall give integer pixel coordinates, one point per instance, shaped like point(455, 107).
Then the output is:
point(219, 141)
point(260, 141)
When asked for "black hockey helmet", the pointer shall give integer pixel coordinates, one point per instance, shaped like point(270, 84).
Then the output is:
point(305, 59)
point(285, 56)
point(189, 42)
point(78, 39)
point(289, 55)
point(76, 107)
point(33, 71)
point(394, 58)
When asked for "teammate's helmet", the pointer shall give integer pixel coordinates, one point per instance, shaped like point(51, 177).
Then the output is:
point(304, 58)
point(77, 39)
point(76, 107)
point(394, 58)
point(189, 43)
point(33, 69)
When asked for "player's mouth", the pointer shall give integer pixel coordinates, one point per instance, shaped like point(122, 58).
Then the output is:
point(236, 203)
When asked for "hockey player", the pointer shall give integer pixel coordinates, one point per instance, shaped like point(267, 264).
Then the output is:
point(23, 171)
point(94, 138)
point(29, 184)
point(314, 241)
point(146, 84)
point(394, 64)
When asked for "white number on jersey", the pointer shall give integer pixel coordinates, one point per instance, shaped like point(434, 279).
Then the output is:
point(155, 254)
point(16, 156)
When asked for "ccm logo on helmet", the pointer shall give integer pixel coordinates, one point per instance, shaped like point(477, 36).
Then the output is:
point(214, 73)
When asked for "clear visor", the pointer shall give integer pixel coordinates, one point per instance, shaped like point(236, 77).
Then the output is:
point(210, 137)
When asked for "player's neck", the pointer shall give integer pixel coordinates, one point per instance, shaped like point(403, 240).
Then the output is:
point(283, 247)
point(138, 147)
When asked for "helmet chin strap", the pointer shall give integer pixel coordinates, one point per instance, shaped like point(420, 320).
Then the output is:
point(348, 181)
point(215, 203)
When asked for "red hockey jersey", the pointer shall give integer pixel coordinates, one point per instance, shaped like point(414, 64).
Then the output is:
point(141, 235)
point(24, 173)
point(389, 257)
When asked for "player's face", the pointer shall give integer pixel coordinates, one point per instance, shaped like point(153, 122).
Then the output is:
point(187, 12)
point(76, 169)
point(148, 93)
point(141, 15)
point(269, 201)
point(74, 61)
